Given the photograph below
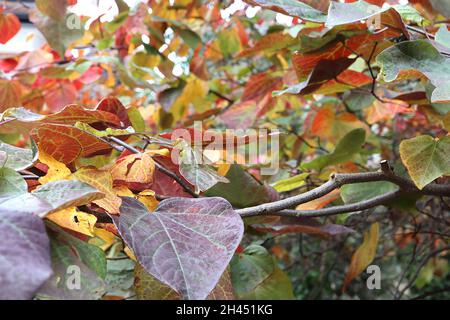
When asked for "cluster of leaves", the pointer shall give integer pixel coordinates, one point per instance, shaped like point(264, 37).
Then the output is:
point(90, 183)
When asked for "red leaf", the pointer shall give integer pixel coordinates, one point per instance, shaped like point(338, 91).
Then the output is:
point(9, 26)
point(114, 106)
point(61, 94)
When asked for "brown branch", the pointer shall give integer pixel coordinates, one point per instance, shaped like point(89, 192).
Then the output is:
point(337, 181)
point(353, 207)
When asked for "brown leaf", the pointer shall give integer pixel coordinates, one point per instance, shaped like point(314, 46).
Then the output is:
point(303, 225)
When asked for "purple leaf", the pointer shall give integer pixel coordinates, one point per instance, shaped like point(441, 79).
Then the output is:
point(24, 255)
point(185, 243)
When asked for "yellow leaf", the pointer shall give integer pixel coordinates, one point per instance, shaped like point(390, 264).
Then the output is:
point(75, 220)
point(147, 197)
point(130, 254)
point(194, 93)
point(364, 255)
point(123, 191)
point(223, 169)
point(110, 79)
point(101, 180)
point(56, 170)
point(159, 152)
point(107, 237)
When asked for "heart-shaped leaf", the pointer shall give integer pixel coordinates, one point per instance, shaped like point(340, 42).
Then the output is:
point(185, 243)
point(421, 56)
point(426, 158)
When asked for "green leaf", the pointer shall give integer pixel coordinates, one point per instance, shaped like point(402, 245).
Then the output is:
point(422, 56)
point(147, 287)
point(346, 148)
point(11, 184)
point(18, 158)
point(243, 190)
point(290, 183)
point(229, 42)
point(104, 133)
point(358, 101)
point(410, 14)
point(73, 259)
point(137, 121)
point(352, 193)
point(426, 158)
point(55, 9)
point(120, 277)
point(443, 36)
point(57, 33)
point(255, 275)
point(189, 37)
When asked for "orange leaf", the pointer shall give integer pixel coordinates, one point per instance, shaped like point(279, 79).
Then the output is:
point(74, 113)
point(380, 111)
point(9, 26)
point(363, 256)
point(329, 125)
point(66, 143)
point(320, 202)
point(271, 42)
point(135, 170)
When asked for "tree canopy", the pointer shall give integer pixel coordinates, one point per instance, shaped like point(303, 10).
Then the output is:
point(205, 149)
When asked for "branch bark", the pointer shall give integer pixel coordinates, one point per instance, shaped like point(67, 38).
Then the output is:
point(336, 181)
